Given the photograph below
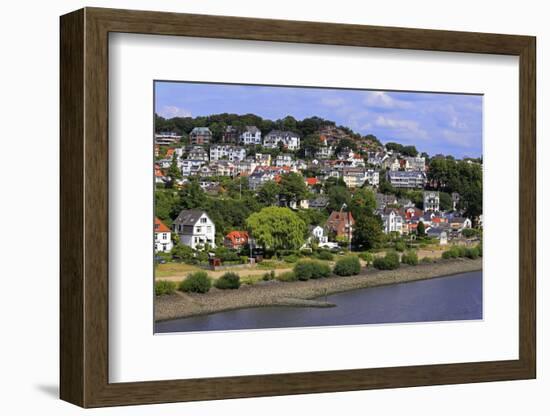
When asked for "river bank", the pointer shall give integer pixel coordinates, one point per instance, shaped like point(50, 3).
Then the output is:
point(304, 294)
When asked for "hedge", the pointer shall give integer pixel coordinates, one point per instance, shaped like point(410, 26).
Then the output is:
point(287, 277)
point(310, 269)
point(228, 280)
point(367, 257)
point(197, 282)
point(389, 262)
point(461, 251)
point(347, 266)
point(164, 287)
point(325, 255)
point(410, 258)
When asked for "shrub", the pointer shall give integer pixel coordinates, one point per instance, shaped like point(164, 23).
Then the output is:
point(227, 255)
point(367, 257)
point(410, 257)
point(164, 287)
point(389, 262)
point(287, 277)
point(292, 258)
point(472, 253)
point(347, 266)
point(452, 253)
point(197, 282)
point(400, 246)
point(480, 250)
point(269, 275)
point(309, 269)
point(228, 280)
point(428, 260)
point(469, 232)
point(325, 255)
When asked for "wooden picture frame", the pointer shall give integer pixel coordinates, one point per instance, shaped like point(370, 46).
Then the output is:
point(84, 207)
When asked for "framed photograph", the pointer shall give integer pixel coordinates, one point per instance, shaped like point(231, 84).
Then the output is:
point(254, 207)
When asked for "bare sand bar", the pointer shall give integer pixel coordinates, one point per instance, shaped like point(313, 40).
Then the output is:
point(300, 294)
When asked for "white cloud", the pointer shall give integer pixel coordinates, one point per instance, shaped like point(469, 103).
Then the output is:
point(380, 99)
point(402, 128)
point(169, 111)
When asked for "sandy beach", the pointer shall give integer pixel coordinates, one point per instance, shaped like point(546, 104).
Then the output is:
point(300, 294)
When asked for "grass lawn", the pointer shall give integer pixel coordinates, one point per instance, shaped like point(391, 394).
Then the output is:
point(174, 269)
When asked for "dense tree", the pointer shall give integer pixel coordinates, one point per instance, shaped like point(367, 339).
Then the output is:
point(174, 172)
point(367, 233)
point(445, 201)
point(277, 229)
point(268, 194)
point(404, 150)
point(310, 145)
point(337, 196)
point(191, 196)
point(346, 143)
point(384, 186)
point(293, 187)
point(363, 202)
point(420, 229)
point(165, 201)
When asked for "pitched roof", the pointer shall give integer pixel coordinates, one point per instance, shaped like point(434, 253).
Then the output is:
point(252, 129)
point(201, 130)
point(312, 181)
point(234, 235)
point(189, 216)
point(160, 227)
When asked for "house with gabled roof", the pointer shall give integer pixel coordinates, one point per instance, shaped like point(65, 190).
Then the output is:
point(163, 237)
point(236, 240)
point(200, 135)
point(195, 229)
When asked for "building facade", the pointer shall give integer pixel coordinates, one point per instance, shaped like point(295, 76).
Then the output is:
point(431, 201)
point(289, 140)
point(163, 237)
point(251, 136)
point(195, 229)
point(200, 136)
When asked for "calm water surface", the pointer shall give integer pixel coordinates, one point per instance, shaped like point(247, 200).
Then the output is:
point(457, 297)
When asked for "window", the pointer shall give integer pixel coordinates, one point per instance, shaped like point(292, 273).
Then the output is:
point(203, 220)
point(164, 236)
point(197, 229)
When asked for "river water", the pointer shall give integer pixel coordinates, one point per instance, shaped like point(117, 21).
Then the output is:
point(457, 297)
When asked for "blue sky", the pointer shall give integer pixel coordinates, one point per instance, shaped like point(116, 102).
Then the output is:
point(435, 123)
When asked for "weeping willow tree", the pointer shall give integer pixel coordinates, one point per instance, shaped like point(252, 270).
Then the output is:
point(277, 229)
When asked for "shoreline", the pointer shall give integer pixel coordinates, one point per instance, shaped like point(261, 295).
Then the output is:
point(300, 293)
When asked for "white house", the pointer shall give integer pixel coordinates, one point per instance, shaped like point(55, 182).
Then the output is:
point(195, 229)
point(392, 221)
point(318, 232)
point(191, 167)
point(232, 153)
point(263, 159)
point(197, 153)
point(431, 201)
point(289, 139)
point(412, 179)
point(416, 163)
point(167, 138)
point(284, 160)
point(163, 237)
point(251, 136)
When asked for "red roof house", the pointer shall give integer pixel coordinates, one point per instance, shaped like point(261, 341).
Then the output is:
point(236, 240)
